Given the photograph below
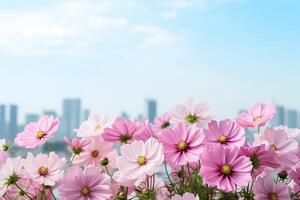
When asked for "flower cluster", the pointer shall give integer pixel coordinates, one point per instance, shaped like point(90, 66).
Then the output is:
point(185, 154)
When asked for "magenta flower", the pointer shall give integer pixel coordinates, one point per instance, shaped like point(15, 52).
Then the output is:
point(162, 122)
point(89, 184)
point(95, 152)
point(37, 133)
point(261, 157)
point(145, 131)
point(258, 115)
point(141, 159)
point(76, 145)
point(265, 188)
point(223, 167)
point(44, 169)
point(182, 144)
point(295, 174)
point(122, 131)
point(225, 132)
point(192, 113)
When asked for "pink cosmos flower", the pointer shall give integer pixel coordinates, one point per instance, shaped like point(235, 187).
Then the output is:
point(291, 132)
point(141, 159)
point(225, 132)
point(261, 156)
point(295, 174)
point(258, 115)
point(37, 133)
point(76, 145)
point(95, 152)
point(182, 144)
point(44, 169)
point(89, 184)
point(10, 174)
point(186, 196)
point(265, 188)
point(223, 167)
point(122, 131)
point(3, 157)
point(94, 126)
point(145, 131)
point(162, 122)
point(192, 113)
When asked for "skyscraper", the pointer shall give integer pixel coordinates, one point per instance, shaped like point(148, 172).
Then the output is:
point(86, 114)
point(2, 122)
point(151, 109)
point(71, 116)
point(50, 113)
point(292, 118)
point(31, 118)
point(279, 118)
point(13, 122)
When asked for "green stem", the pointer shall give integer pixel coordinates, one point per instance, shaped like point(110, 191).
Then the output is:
point(52, 194)
point(23, 191)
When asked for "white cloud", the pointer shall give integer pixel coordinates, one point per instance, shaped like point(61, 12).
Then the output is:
point(104, 22)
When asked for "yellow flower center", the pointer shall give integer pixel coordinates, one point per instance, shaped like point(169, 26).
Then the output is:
point(141, 160)
point(256, 119)
point(43, 171)
point(94, 153)
point(274, 147)
point(40, 134)
point(226, 169)
point(182, 145)
point(222, 139)
point(85, 191)
point(273, 196)
point(97, 128)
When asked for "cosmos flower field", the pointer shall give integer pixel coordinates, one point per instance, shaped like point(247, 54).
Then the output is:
point(185, 154)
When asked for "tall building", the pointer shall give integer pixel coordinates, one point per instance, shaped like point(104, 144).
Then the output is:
point(279, 118)
point(71, 116)
point(31, 118)
point(151, 109)
point(292, 118)
point(50, 113)
point(86, 114)
point(125, 114)
point(13, 122)
point(2, 122)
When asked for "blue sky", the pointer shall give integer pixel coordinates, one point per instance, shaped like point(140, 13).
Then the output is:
point(115, 54)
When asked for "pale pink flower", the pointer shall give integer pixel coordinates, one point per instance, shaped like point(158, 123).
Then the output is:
point(225, 132)
point(162, 122)
point(291, 132)
point(44, 169)
point(140, 159)
point(277, 139)
point(185, 196)
point(77, 145)
point(37, 133)
point(261, 157)
point(182, 144)
point(223, 167)
point(295, 174)
point(192, 113)
point(96, 151)
point(265, 188)
point(122, 130)
point(3, 157)
point(94, 126)
point(89, 184)
point(10, 174)
point(258, 115)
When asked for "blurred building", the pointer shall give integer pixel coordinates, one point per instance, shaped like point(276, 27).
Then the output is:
point(125, 115)
point(50, 113)
point(71, 116)
point(292, 118)
point(2, 122)
point(31, 118)
point(86, 114)
point(13, 122)
point(279, 118)
point(151, 109)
